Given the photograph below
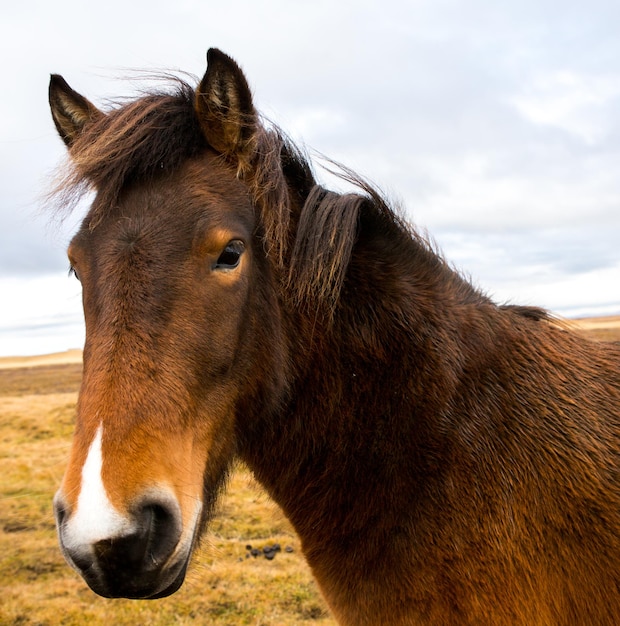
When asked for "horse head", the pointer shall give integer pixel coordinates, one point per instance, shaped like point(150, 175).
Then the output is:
point(182, 329)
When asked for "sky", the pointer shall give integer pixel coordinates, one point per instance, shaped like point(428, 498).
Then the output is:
point(496, 124)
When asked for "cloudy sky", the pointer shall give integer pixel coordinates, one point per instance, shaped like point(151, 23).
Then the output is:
point(496, 123)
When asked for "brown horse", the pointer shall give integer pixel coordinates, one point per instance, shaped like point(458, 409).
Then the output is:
point(444, 460)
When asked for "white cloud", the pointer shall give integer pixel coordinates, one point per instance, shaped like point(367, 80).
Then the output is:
point(576, 104)
point(575, 295)
point(40, 315)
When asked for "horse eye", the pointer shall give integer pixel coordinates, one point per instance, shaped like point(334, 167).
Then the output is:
point(231, 256)
point(73, 272)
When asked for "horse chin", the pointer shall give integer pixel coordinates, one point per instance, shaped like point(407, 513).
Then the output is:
point(136, 589)
point(173, 587)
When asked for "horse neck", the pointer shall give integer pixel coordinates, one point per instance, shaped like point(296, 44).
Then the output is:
point(365, 381)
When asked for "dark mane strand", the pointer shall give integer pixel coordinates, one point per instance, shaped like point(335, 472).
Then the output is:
point(530, 312)
point(326, 233)
point(269, 186)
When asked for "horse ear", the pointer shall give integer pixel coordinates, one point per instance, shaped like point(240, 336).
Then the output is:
point(70, 110)
point(224, 106)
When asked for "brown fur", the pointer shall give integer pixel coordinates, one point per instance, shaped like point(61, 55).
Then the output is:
point(443, 459)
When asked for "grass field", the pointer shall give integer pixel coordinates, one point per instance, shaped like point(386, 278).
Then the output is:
point(37, 403)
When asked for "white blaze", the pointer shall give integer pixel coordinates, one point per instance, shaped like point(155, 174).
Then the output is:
point(95, 517)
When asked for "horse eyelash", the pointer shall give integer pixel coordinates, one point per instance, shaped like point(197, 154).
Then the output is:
point(72, 272)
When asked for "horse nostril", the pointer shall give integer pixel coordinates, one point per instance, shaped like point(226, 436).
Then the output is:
point(60, 510)
point(161, 530)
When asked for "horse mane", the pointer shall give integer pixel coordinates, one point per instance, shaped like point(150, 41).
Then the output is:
point(309, 231)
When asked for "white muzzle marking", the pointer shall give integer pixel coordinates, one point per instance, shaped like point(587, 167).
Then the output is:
point(95, 517)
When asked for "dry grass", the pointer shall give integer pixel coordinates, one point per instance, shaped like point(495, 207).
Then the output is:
point(599, 328)
point(37, 406)
point(69, 356)
point(223, 587)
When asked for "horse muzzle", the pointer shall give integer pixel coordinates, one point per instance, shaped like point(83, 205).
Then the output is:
point(141, 555)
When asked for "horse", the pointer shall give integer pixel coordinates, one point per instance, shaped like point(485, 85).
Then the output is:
point(444, 459)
